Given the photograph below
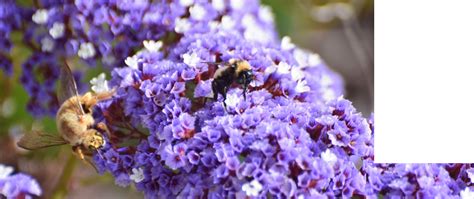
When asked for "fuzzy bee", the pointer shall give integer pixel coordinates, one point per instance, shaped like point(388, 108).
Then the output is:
point(238, 71)
point(74, 121)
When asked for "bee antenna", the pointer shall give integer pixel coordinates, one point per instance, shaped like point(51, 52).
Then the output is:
point(100, 154)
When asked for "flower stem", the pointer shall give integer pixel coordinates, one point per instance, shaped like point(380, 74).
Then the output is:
point(60, 189)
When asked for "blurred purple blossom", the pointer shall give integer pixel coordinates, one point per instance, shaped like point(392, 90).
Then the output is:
point(17, 185)
point(10, 20)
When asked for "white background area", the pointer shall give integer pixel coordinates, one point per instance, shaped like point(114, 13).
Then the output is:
point(424, 81)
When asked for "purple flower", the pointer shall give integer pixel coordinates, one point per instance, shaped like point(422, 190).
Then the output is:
point(338, 138)
point(17, 185)
point(232, 163)
point(176, 158)
point(203, 89)
point(6, 64)
point(193, 157)
point(221, 171)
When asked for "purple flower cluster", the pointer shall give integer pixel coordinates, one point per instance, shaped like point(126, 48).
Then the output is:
point(39, 76)
point(102, 32)
point(294, 135)
point(107, 32)
point(17, 185)
point(10, 19)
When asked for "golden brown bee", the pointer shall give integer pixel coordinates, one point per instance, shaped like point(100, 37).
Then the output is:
point(74, 121)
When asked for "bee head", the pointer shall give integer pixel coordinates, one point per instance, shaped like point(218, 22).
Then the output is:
point(94, 141)
point(245, 77)
point(243, 72)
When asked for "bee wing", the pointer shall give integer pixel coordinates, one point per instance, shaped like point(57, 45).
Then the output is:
point(38, 140)
point(68, 88)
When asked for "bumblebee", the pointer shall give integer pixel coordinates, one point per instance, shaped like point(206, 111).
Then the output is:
point(237, 71)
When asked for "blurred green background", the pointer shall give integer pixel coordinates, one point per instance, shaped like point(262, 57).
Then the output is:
point(341, 32)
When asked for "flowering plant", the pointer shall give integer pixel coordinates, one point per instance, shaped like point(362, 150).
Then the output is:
point(294, 135)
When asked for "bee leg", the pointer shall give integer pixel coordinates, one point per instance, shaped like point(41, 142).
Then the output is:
point(245, 92)
point(204, 101)
point(87, 159)
point(224, 96)
point(225, 106)
point(215, 90)
point(78, 151)
point(102, 126)
point(105, 95)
